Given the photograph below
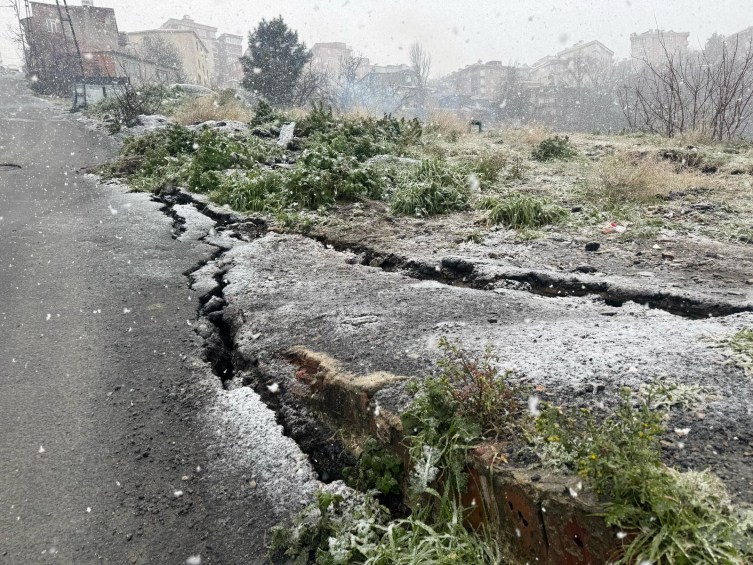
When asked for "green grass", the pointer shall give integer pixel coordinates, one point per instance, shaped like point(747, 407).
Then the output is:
point(675, 518)
point(521, 211)
point(433, 187)
point(489, 165)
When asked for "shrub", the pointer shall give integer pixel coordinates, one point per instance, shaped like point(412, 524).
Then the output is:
point(521, 211)
point(363, 138)
point(676, 518)
point(317, 180)
point(264, 114)
point(433, 187)
point(318, 119)
point(481, 390)
point(554, 148)
point(517, 169)
point(128, 104)
point(489, 165)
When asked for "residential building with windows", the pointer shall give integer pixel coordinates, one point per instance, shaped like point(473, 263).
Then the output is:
point(96, 28)
point(230, 50)
point(653, 45)
point(207, 35)
point(481, 81)
point(194, 54)
point(401, 76)
point(742, 39)
point(329, 57)
point(576, 66)
point(54, 59)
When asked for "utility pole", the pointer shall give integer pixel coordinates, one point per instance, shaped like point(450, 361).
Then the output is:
point(73, 36)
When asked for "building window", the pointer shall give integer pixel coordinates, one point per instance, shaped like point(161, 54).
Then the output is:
point(53, 25)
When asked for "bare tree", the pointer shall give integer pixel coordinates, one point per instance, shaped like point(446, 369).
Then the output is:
point(348, 92)
point(160, 51)
point(312, 86)
point(708, 93)
point(420, 61)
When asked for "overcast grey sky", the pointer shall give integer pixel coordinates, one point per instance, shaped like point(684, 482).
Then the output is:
point(456, 32)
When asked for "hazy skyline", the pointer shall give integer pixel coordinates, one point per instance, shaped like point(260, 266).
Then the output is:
point(456, 32)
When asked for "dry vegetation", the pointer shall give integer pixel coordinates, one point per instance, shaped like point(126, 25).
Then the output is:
point(637, 178)
point(212, 107)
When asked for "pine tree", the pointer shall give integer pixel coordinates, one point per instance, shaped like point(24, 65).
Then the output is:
point(274, 62)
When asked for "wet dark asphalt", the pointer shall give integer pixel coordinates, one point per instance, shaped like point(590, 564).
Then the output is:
point(97, 422)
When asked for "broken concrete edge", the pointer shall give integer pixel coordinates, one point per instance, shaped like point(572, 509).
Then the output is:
point(538, 520)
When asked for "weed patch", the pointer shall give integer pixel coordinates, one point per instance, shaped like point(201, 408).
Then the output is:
point(554, 148)
point(222, 106)
point(629, 179)
point(375, 470)
point(521, 211)
point(489, 166)
point(668, 517)
point(330, 533)
point(433, 187)
point(738, 347)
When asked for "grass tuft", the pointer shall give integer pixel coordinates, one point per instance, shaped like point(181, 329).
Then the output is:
point(433, 187)
point(674, 518)
point(521, 211)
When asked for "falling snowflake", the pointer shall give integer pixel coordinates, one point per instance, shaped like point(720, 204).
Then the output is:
point(533, 406)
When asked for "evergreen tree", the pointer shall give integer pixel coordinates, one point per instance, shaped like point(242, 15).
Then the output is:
point(274, 62)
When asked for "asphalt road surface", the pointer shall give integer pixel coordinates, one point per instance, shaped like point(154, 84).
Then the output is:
point(102, 454)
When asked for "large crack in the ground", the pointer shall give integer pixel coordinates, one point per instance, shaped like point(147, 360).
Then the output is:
point(318, 440)
point(315, 437)
point(458, 271)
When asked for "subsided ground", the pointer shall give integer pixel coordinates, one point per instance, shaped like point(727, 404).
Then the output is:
point(625, 290)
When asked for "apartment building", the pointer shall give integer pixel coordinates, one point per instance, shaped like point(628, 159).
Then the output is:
point(653, 45)
point(54, 59)
point(195, 57)
point(481, 80)
point(207, 35)
point(230, 50)
point(328, 58)
point(96, 28)
point(576, 66)
point(743, 39)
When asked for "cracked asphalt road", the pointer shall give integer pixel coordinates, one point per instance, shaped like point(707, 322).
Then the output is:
point(103, 449)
